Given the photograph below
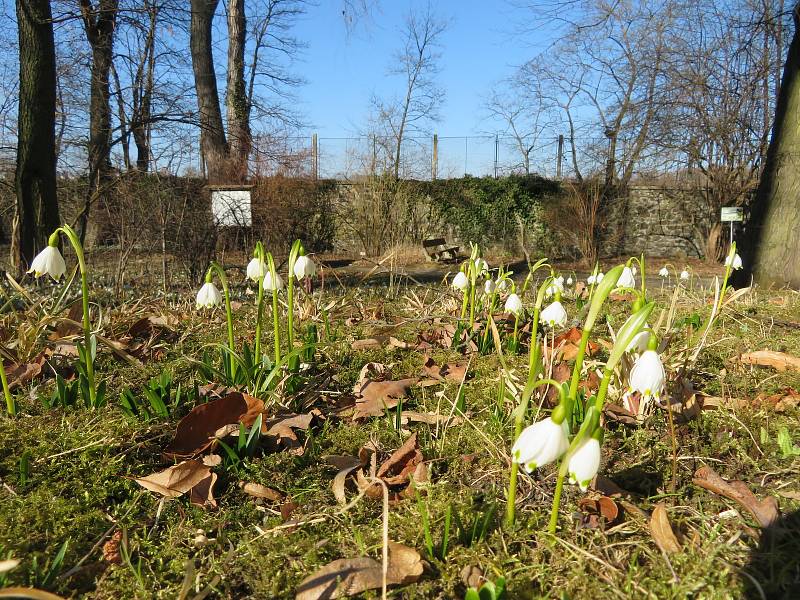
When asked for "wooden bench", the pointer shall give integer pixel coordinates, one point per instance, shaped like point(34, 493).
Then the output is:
point(438, 250)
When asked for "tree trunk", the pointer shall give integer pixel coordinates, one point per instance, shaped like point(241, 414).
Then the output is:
point(771, 252)
point(237, 104)
point(99, 25)
point(212, 134)
point(35, 177)
point(143, 92)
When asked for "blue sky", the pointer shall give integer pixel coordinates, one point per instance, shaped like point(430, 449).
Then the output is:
point(343, 71)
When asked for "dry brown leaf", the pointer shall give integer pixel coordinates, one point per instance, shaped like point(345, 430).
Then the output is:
point(350, 576)
point(367, 344)
point(661, 530)
point(779, 361)
point(376, 396)
point(599, 512)
point(765, 511)
point(27, 592)
point(452, 371)
point(188, 476)
point(410, 416)
point(195, 432)
point(260, 491)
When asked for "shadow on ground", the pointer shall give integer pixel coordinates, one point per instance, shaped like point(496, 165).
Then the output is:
point(773, 572)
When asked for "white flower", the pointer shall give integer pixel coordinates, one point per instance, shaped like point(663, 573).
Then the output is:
point(734, 264)
point(208, 296)
point(584, 462)
point(489, 287)
point(514, 305)
point(304, 267)
point(554, 315)
point(626, 279)
point(664, 272)
point(591, 279)
point(268, 282)
point(48, 262)
point(569, 280)
point(256, 269)
point(647, 375)
point(633, 269)
point(460, 281)
point(557, 285)
point(481, 266)
point(684, 275)
point(599, 277)
point(540, 444)
point(502, 285)
point(639, 342)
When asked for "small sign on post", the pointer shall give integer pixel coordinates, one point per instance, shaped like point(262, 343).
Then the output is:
point(230, 205)
point(731, 214)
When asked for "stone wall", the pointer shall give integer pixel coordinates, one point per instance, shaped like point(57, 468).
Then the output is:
point(665, 221)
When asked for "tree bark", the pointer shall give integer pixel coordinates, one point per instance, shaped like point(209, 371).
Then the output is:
point(237, 103)
point(99, 24)
point(143, 92)
point(35, 178)
point(212, 133)
point(771, 250)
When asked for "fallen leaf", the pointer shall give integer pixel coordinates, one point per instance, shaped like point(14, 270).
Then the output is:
point(188, 476)
point(351, 576)
point(765, 511)
point(261, 491)
point(279, 431)
point(195, 431)
point(598, 512)
point(366, 344)
point(8, 565)
point(376, 396)
point(409, 416)
point(661, 530)
point(779, 361)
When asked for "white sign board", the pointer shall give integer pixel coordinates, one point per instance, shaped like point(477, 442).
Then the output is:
point(729, 214)
point(231, 208)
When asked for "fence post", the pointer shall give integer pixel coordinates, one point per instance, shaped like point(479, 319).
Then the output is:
point(314, 156)
point(560, 156)
point(435, 158)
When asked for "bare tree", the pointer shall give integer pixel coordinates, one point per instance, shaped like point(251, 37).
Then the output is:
point(417, 63)
point(98, 22)
point(772, 254)
point(35, 177)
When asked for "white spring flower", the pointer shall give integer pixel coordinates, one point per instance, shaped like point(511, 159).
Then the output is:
point(256, 269)
point(502, 285)
point(584, 463)
point(647, 375)
point(684, 275)
point(514, 305)
point(639, 342)
point(599, 277)
point(664, 272)
point(208, 296)
point(304, 267)
point(626, 279)
point(540, 444)
point(569, 280)
point(735, 263)
point(554, 315)
point(268, 286)
point(557, 285)
point(489, 287)
point(460, 281)
point(591, 279)
point(48, 262)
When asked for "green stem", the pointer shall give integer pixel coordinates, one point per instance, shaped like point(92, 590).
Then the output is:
point(74, 240)
point(275, 316)
point(11, 405)
point(228, 314)
point(562, 473)
point(260, 316)
point(464, 305)
point(472, 305)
